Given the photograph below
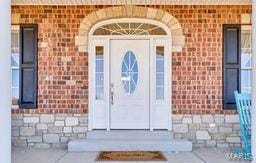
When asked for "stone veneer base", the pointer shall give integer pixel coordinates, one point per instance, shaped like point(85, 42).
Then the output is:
point(55, 130)
point(47, 130)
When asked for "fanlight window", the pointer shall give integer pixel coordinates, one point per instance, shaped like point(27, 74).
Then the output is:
point(129, 28)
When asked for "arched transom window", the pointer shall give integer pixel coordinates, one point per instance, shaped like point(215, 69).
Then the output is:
point(129, 28)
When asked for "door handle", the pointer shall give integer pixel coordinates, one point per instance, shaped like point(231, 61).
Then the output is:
point(112, 94)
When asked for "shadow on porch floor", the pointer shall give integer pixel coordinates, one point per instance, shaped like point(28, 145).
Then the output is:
point(199, 155)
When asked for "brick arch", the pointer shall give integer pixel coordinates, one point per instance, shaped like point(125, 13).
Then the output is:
point(128, 11)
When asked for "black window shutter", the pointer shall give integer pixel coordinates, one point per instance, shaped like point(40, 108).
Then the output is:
point(28, 66)
point(231, 64)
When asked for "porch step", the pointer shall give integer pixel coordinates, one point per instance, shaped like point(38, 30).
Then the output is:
point(129, 134)
point(129, 145)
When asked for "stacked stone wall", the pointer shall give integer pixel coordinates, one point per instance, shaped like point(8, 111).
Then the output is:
point(47, 130)
point(218, 130)
point(55, 130)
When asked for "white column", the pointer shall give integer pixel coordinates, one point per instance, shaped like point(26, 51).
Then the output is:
point(5, 81)
point(254, 80)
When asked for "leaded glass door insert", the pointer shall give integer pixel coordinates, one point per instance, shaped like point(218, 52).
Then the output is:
point(129, 72)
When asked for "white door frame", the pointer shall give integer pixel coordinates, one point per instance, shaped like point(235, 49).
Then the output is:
point(99, 110)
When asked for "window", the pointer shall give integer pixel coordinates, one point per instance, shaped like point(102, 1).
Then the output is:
point(159, 72)
point(129, 72)
point(246, 58)
point(99, 50)
point(129, 28)
point(15, 64)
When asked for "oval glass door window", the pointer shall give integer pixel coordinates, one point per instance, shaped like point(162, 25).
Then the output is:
point(129, 72)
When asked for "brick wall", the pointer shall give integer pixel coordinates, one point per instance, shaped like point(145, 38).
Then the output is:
point(63, 77)
point(197, 71)
point(63, 71)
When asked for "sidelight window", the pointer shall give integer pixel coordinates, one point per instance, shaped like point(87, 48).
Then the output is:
point(99, 72)
point(159, 72)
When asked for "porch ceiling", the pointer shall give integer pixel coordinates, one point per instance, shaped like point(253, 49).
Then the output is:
point(133, 2)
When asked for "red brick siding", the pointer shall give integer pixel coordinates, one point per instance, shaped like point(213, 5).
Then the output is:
point(63, 71)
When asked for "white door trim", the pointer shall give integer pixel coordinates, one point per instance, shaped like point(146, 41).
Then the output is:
point(95, 106)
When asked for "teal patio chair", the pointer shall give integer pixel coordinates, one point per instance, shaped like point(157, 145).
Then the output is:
point(244, 107)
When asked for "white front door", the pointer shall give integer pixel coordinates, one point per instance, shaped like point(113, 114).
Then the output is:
point(129, 82)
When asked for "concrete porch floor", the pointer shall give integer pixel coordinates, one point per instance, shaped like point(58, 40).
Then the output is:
point(199, 155)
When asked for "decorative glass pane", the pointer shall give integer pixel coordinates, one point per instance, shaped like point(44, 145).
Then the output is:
point(99, 65)
point(99, 75)
point(160, 66)
point(99, 79)
point(129, 72)
point(159, 79)
point(159, 72)
point(129, 28)
point(99, 93)
point(159, 93)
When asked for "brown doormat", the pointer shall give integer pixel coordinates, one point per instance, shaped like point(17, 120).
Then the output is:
point(130, 156)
